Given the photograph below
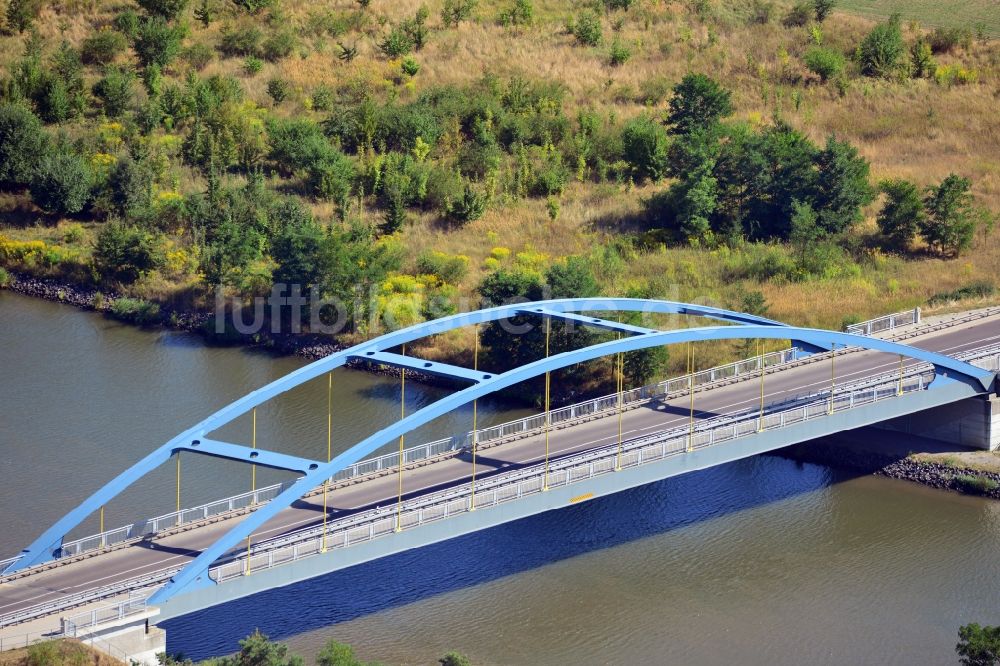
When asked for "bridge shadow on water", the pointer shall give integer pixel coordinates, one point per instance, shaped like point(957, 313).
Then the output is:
point(648, 511)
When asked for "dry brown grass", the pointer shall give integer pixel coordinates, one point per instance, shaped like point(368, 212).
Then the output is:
point(57, 653)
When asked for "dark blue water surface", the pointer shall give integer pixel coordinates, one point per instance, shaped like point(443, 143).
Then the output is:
point(505, 550)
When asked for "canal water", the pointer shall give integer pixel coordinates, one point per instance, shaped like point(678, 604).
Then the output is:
point(764, 561)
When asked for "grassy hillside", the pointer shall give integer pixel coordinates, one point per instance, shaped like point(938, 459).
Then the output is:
point(973, 14)
point(323, 63)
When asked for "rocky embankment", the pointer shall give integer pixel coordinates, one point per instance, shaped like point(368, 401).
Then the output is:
point(197, 322)
point(834, 453)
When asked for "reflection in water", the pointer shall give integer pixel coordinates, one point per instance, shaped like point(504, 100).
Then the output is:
point(763, 561)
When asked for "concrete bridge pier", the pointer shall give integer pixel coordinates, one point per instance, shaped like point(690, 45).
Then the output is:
point(973, 422)
point(133, 639)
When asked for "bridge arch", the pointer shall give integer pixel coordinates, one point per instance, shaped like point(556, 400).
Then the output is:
point(313, 474)
point(50, 541)
point(195, 574)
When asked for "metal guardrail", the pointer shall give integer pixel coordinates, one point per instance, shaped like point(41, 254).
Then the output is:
point(169, 520)
point(26, 640)
point(569, 413)
point(885, 323)
point(513, 485)
point(136, 604)
point(388, 461)
point(95, 594)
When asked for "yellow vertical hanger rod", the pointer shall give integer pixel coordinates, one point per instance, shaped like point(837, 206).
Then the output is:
point(178, 482)
point(760, 356)
point(402, 415)
point(329, 450)
point(253, 445)
point(620, 386)
point(475, 426)
point(833, 376)
point(548, 385)
point(690, 446)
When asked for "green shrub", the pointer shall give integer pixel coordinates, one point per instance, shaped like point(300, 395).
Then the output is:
point(799, 15)
point(205, 12)
point(645, 146)
point(587, 29)
point(5, 278)
point(126, 253)
point(444, 187)
point(922, 64)
point(416, 27)
point(253, 6)
point(21, 14)
point(951, 218)
point(397, 43)
point(53, 100)
point(22, 143)
point(278, 89)
point(902, 214)
point(945, 40)
point(130, 189)
point(322, 98)
point(825, 63)
point(624, 5)
point(551, 175)
point(298, 143)
point(469, 207)
point(168, 9)
point(699, 103)
point(760, 262)
point(73, 234)
point(333, 178)
point(410, 66)
point(455, 11)
point(279, 45)
point(103, 47)
point(115, 90)
point(62, 183)
point(135, 311)
point(127, 22)
point(882, 50)
point(620, 53)
point(822, 9)
point(241, 41)
point(973, 290)
point(521, 13)
point(449, 268)
point(157, 42)
point(252, 65)
point(198, 55)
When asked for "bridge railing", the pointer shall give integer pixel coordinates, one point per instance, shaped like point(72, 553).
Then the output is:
point(569, 413)
point(168, 520)
point(885, 323)
point(136, 604)
point(513, 485)
point(119, 588)
point(26, 640)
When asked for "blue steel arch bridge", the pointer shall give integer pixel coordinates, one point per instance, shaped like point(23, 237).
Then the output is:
point(827, 383)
